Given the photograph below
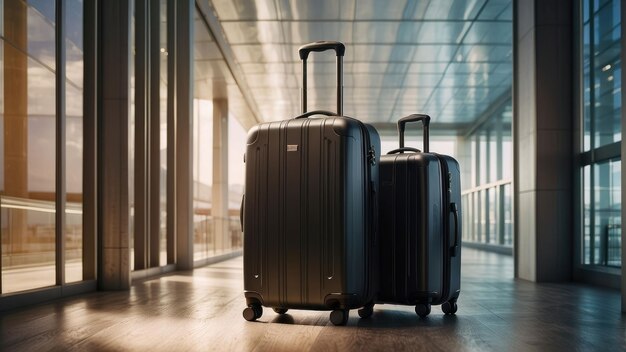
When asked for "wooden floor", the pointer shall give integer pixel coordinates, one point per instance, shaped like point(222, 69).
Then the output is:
point(201, 310)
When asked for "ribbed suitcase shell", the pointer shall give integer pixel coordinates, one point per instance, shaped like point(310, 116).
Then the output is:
point(411, 225)
point(309, 215)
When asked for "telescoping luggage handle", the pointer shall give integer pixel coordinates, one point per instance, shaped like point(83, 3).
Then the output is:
point(425, 119)
point(319, 46)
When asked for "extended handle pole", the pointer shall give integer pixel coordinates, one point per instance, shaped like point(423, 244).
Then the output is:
point(319, 46)
point(425, 119)
point(304, 83)
point(340, 85)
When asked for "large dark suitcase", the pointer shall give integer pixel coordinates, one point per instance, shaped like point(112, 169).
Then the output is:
point(420, 225)
point(309, 210)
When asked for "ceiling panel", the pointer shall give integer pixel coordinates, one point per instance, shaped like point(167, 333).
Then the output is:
point(301, 32)
point(453, 9)
point(494, 9)
point(245, 9)
point(490, 33)
point(252, 32)
point(448, 58)
point(384, 10)
point(316, 9)
point(442, 32)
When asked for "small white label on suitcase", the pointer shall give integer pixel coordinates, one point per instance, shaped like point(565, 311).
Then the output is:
point(292, 147)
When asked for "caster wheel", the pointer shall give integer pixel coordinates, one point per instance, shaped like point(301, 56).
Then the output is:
point(339, 316)
point(280, 310)
point(253, 312)
point(366, 311)
point(249, 314)
point(449, 307)
point(422, 309)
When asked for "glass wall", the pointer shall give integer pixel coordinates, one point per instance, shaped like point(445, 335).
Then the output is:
point(237, 136)
point(486, 199)
point(28, 159)
point(601, 139)
point(218, 177)
point(74, 141)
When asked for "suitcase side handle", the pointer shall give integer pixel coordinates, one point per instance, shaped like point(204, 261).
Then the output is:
point(404, 149)
point(425, 119)
point(243, 198)
point(455, 213)
point(319, 46)
point(315, 112)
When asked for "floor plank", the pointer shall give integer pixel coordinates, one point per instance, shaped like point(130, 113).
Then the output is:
point(200, 310)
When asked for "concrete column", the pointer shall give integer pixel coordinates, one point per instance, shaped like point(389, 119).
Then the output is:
point(219, 205)
point(114, 269)
point(543, 123)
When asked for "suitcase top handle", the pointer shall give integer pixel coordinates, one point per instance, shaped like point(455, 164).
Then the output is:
point(321, 45)
point(316, 112)
point(405, 149)
point(414, 118)
point(324, 45)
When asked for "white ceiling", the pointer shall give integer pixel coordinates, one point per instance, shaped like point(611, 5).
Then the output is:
point(448, 58)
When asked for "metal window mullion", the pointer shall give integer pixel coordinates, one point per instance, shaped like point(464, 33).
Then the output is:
point(154, 133)
point(60, 142)
point(89, 141)
point(184, 128)
point(622, 152)
point(592, 210)
point(141, 138)
point(171, 131)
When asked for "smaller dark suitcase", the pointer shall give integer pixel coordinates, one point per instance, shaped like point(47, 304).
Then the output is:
point(420, 214)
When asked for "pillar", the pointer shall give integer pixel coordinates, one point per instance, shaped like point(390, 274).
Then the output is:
point(114, 269)
point(543, 123)
point(219, 204)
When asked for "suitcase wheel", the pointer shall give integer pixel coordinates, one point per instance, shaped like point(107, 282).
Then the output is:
point(449, 307)
point(422, 309)
point(280, 310)
point(253, 312)
point(366, 311)
point(339, 316)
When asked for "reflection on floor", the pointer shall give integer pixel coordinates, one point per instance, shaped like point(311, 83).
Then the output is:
point(201, 310)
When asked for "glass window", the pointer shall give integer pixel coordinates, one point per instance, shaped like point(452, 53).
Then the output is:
point(602, 230)
point(488, 213)
point(27, 189)
point(601, 74)
point(237, 136)
point(202, 178)
point(601, 96)
point(74, 141)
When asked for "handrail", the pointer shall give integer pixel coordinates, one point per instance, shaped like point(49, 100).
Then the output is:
point(43, 206)
point(487, 186)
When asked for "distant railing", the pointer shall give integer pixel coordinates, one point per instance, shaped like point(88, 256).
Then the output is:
point(28, 233)
point(487, 214)
point(612, 243)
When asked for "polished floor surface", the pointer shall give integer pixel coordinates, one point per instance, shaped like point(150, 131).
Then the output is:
point(201, 310)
